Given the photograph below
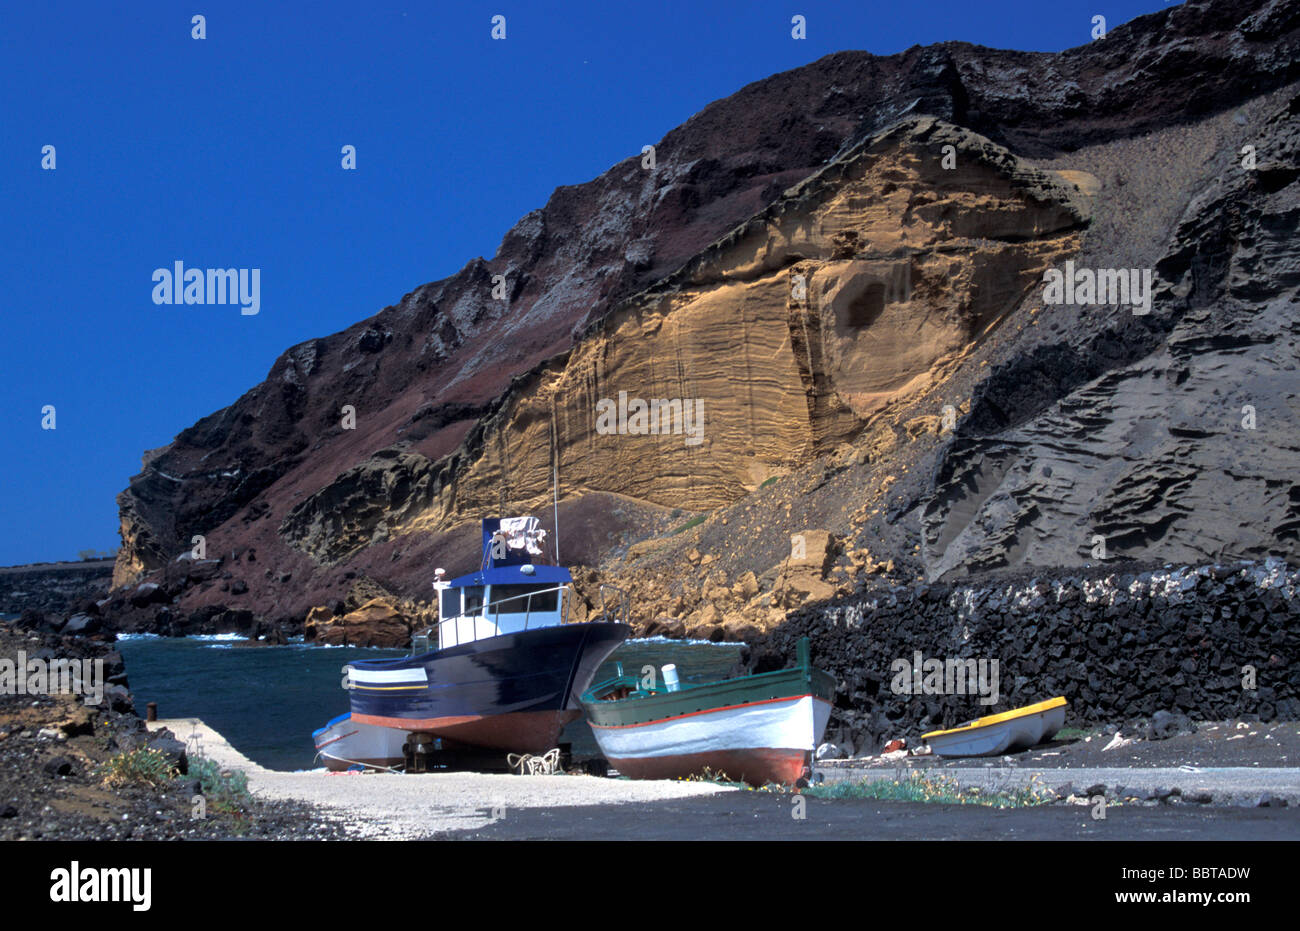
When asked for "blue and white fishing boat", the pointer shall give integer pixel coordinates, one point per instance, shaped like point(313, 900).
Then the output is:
point(508, 672)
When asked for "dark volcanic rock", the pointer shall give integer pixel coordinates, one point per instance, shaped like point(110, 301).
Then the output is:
point(165, 742)
point(58, 766)
point(1206, 482)
point(1189, 657)
point(1166, 724)
point(81, 624)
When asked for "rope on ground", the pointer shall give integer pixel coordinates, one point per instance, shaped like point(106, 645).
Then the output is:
point(386, 769)
point(546, 764)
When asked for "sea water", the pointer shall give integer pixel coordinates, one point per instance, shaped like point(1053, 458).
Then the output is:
point(267, 700)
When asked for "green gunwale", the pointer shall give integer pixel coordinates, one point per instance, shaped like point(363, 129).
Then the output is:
point(644, 705)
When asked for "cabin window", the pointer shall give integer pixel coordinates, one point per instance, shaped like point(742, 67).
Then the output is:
point(473, 599)
point(516, 599)
point(450, 605)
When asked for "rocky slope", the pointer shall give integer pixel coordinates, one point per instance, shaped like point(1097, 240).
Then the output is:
point(841, 268)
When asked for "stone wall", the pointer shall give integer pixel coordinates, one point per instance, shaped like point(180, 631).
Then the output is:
point(1119, 646)
point(52, 587)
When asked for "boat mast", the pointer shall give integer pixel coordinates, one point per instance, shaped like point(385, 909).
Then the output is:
point(555, 452)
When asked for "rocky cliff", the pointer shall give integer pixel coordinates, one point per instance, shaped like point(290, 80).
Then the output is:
point(829, 294)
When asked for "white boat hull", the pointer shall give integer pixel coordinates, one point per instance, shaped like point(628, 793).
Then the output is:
point(344, 743)
point(994, 739)
point(760, 742)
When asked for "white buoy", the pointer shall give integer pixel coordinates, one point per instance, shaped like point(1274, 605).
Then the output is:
point(670, 677)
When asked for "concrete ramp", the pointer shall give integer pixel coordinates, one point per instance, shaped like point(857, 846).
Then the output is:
point(392, 806)
point(199, 738)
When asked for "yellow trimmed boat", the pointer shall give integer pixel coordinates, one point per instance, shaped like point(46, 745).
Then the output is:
point(1009, 731)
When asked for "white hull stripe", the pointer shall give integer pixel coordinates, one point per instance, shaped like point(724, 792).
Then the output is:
point(415, 676)
point(796, 724)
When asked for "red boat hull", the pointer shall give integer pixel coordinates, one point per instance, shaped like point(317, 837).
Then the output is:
point(758, 766)
point(520, 731)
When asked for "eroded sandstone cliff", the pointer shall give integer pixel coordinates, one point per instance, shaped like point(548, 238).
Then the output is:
point(786, 337)
point(842, 266)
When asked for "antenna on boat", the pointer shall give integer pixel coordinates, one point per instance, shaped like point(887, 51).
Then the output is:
point(555, 446)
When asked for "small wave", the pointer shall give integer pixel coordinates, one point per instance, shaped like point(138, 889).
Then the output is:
point(694, 643)
point(139, 636)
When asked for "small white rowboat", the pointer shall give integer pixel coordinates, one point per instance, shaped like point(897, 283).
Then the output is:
point(1007, 732)
point(344, 743)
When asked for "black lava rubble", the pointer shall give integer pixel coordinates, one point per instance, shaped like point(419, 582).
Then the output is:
point(1147, 650)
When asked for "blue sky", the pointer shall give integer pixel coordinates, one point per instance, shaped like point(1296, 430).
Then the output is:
point(226, 152)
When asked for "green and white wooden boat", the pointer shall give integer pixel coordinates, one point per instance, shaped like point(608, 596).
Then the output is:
point(758, 729)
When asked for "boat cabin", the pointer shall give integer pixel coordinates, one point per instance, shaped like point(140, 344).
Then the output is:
point(510, 593)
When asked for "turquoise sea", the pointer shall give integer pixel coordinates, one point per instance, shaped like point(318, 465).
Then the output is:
point(267, 700)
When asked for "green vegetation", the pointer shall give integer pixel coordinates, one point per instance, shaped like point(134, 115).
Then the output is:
point(138, 766)
point(1073, 733)
point(771, 481)
point(225, 790)
point(915, 787)
point(920, 787)
point(722, 779)
point(693, 522)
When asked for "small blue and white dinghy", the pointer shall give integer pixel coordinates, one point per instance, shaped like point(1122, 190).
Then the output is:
point(343, 743)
